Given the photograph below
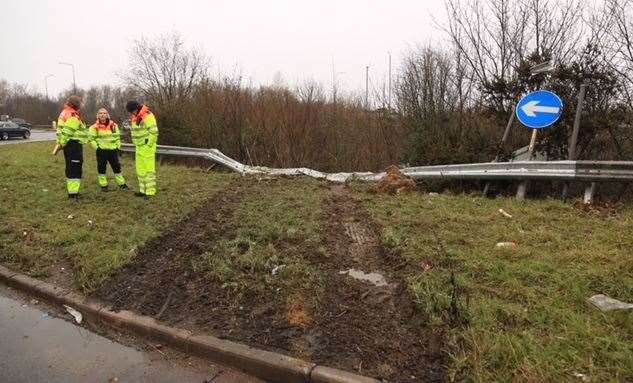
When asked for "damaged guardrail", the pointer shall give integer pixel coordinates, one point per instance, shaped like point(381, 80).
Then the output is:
point(589, 171)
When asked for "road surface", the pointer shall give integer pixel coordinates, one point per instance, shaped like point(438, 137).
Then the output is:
point(36, 135)
point(37, 347)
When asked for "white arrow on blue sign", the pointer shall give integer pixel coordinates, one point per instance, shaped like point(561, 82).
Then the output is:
point(539, 109)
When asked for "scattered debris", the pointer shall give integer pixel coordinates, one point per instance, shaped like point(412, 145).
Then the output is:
point(373, 278)
point(603, 209)
point(45, 190)
point(297, 313)
point(277, 269)
point(164, 307)
point(76, 314)
point(91, 224)
point(507, 245)
point(70, 216)
point(45, 316)
point(34, 301)
point(606, 303)
point(426, 266)
point(113, 380)
point(505, 213)
point(158, 348)
point(395, 182)
point(433, 194)
point(584, 377)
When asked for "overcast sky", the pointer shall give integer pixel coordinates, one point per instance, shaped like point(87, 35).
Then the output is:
point(300, 39)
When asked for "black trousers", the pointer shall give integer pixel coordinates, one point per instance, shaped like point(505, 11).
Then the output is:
point(108, 156)
point(74, 156)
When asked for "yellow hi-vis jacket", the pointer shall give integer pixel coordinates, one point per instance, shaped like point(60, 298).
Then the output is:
point(144, 128)
point(70, 127)
point(105, 136)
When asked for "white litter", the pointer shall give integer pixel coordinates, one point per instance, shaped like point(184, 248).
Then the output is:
point(70, 216)
point(76, 314)
point(506, 245)
point(277, 269)
point(373, 278)
point(606, 303)
point(583, 377)
point(505, 213)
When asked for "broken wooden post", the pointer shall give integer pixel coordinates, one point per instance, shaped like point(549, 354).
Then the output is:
point(589, 193)
point(522, 189)
point(574, 135)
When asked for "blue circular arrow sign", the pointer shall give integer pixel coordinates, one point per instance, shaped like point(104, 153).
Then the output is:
point(539, 109)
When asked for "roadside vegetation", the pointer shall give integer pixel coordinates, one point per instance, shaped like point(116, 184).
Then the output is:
point(449, 102)
point(41, 231)
point(276, 244)
point(516, 314)
point(504, 314)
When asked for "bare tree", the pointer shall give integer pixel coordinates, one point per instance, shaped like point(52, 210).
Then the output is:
point(494, 37)
point(164, 70)
point(613, 29)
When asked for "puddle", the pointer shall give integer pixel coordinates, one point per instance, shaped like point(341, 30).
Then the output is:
point(373, 278)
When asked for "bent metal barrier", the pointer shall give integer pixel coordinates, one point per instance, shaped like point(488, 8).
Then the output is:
point(588, 171)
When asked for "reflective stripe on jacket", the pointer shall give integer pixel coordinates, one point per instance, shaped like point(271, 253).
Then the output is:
point(70, 127)
point(105, 136)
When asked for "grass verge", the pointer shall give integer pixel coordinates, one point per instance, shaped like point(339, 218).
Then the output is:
point(40, 228)
point(522, 312)
point(277, 227)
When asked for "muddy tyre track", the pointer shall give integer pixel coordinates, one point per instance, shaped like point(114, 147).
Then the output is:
point(161, 280)
point(373, 330)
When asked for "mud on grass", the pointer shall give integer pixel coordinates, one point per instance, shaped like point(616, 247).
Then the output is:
point(260, 263)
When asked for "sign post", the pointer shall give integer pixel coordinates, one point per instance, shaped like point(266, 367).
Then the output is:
point(537, 110)
point(574, 142)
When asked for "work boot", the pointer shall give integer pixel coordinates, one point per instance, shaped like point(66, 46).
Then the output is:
point(104, 189)
point(123, 187)
point(73, 196)
point(139, 194)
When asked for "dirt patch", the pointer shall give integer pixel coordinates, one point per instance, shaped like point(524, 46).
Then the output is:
point(349, 322)
point(162, 283)
point(61, 273)
point(601, 209)
point(371, 328)
point(394, 182)
point(161, 279)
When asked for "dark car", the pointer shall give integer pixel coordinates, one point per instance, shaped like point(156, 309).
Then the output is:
point(22, 122)
point(11, 129)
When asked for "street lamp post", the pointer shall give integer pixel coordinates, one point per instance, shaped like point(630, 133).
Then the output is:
point(46, 83)
point(73, 68)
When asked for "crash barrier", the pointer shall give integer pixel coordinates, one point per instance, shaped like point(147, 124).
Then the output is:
point(583, 171)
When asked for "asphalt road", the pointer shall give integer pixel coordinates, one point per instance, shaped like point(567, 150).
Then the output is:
point(37, 347)
point(36, 135)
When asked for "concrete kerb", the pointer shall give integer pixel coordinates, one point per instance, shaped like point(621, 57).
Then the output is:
point(270, 366)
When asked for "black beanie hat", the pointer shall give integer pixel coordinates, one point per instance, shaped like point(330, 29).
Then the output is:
point(132, 106)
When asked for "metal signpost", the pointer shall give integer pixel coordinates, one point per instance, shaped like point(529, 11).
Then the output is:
point(537, 110)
